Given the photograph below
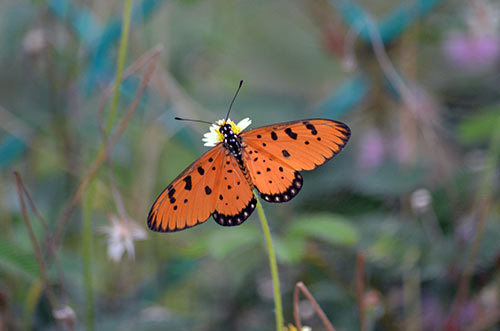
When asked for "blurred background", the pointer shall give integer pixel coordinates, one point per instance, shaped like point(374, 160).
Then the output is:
point(414, 195)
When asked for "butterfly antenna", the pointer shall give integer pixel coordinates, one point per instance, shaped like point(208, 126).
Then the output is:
point(190, 120)
point(231, 105)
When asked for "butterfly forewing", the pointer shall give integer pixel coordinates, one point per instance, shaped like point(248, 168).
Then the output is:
point(274, 154)
point(190, 198)
point(302, 145)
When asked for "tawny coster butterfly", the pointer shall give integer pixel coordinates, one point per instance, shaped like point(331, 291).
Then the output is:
point(221, 182)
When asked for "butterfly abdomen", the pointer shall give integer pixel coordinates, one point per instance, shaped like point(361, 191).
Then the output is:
point(232, 143)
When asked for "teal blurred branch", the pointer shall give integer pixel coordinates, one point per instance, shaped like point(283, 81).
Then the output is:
point(354, 91)
point(11, 148)
point(348, 96)
point(97, 41)
point(390, 28)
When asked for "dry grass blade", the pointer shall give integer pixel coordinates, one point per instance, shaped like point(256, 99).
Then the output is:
point(300, 287)
point(36, 247)
point(464, 283)
point(52, 251)
point(104, 153)
point(360, 289)
point(484, 201)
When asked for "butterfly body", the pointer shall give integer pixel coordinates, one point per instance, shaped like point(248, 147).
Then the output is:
point(221, 182)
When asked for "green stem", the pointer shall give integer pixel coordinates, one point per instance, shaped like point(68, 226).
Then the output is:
point(88, 197)
point(278, 308)
point(121, 63)
point(484, 201)
point(87, 256)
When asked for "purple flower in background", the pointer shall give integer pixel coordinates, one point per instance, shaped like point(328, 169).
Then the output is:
point(478, 46)
point(472, 51)
point(432, 314)
point(371, 149)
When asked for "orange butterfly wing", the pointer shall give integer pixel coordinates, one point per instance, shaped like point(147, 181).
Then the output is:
point(274, 154)
point(213, 184)
point(188, 200)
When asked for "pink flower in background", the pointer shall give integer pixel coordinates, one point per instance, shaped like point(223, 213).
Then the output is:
point(478, 46)
point(472, 51)
point(371, 149)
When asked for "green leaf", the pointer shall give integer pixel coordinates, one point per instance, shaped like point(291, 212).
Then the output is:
point(480, 126)
point(18, 261)
point(223, 243)
point(32, 298)
point(289, 249)
point(329, 227)
point(390, 179)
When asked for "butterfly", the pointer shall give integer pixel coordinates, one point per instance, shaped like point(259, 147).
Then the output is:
point(221, 182)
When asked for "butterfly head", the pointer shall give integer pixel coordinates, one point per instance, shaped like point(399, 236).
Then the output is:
point(223, 128)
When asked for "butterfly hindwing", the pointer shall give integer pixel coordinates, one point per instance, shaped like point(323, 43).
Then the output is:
point(190, 198)
point(235, 200)
point(274, 179)
point(274, 154)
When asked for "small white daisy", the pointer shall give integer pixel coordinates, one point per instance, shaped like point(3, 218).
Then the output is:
point(213, 137)
point(121, 235)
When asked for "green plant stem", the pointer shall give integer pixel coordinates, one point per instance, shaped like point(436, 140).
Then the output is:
point(484, 201)
point(89, 194)
point(87, 256)
point(278, 308)
point(122, 54)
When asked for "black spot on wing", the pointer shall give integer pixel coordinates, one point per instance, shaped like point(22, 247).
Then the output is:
point(201, 171)
point(238, 218)
point(291, 134)
point(189, 185)
point(208, 190)
point(288, 194)
point(274, 136)
point(285, 153)
point(311, 127)
point(171, 192)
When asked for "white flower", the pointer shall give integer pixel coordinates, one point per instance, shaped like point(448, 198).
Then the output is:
point(121, 236)
point(213, 137)
point(34, 41)
point(292, 327)
point(65, 313)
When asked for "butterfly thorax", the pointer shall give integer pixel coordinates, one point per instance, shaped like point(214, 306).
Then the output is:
point(231, 142)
